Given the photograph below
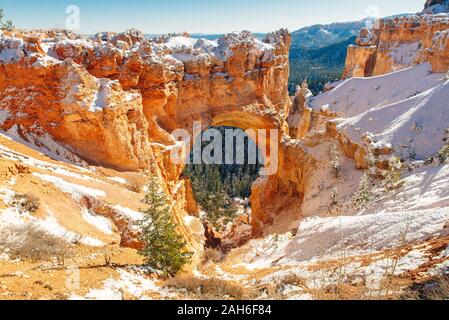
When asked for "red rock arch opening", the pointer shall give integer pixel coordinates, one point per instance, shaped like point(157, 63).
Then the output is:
point(222, 166)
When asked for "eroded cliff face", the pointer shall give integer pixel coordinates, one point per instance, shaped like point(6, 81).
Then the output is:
point(397, 43)
point(416, 49)
point(113, 101)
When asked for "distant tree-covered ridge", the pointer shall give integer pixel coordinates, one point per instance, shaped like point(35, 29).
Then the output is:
point(321, 36)
point(318, 65)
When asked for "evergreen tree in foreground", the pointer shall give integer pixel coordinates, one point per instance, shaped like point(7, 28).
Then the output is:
point(164, 249)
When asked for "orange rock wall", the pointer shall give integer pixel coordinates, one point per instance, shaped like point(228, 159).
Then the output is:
point(398, 43)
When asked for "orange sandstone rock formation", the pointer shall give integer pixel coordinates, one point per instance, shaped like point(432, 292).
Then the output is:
point(397, 43)
point(113, 101)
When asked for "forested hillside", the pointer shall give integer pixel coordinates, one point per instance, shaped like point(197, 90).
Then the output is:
point(317, 65)
point(215, 185)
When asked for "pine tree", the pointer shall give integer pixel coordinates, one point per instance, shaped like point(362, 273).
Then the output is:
point(164, 249)
point(363, 194)
point(5, 25)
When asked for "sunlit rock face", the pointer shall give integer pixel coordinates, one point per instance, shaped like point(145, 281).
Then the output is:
point(397, 43)
point(114, 99)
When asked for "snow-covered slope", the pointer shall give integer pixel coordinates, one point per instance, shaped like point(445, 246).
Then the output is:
point(408, 110)
point(421, 210)
point(404, 234)
point(357, 95)
point(414, 127)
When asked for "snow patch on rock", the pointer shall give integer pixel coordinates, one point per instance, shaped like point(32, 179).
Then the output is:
point(74, 189)
point(101, 223)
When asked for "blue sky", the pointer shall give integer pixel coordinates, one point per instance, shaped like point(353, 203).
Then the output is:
point(199, 16)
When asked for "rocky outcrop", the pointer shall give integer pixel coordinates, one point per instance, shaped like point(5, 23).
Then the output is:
point(397, 43)
point(360, 61)
point(299, 118)
point(276, 200)
point(238, 235)
point(128, 233)
point(438, 55)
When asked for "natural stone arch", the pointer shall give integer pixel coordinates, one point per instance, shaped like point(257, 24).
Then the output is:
point(281, 192)
point(245, 120)
point(265, 129)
